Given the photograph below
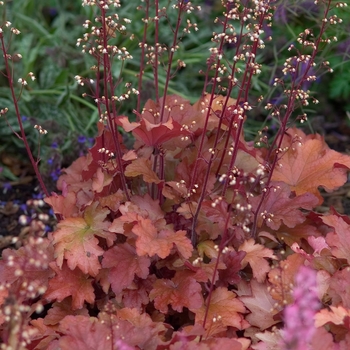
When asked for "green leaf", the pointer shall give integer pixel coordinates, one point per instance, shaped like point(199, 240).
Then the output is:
point(7, 173)
point(34, 26)
point(339, 86)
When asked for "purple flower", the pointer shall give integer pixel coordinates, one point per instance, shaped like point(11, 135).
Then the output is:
point(81, 139)
point(55, 174)
point(38, 196)
point(299, 317)
point(286, 8)
point(344, 47)
point(53, 12)
point(6, 187)
point(24, 207)
point(280, 14)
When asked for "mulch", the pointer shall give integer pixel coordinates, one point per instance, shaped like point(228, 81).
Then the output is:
point(22, 209)
point(23, 213)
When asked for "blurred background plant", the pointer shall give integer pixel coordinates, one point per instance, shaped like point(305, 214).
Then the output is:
point(332, 90)
point(50, 28)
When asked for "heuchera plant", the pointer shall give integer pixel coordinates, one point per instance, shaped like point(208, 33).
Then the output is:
point(194, 237)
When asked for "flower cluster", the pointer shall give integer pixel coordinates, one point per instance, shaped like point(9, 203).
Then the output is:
point(299, 316)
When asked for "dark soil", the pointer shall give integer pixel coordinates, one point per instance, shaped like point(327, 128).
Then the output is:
point(22, 209)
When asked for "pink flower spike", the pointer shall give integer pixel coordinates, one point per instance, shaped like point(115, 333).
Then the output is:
point(299, 317)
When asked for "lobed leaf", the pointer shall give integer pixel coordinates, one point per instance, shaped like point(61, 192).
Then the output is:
point(179, 292)
point(282, 278)
point(151, 242)
point(309, 163)
point(260, 304)
point(224, 310)
point(142, 166)
point(124, 264)
point(339, 239)
point(68, 283)
point(75, 240)
point(336, 315)
point(256, 255)
point(281, 207)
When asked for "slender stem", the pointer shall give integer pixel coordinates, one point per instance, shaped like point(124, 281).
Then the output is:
point(221, 247)
point(142, 64)
point(35, 163)
point(170, 60)
point(160, 158)
point(156, 53)
point(109, 90)
point(154, 190)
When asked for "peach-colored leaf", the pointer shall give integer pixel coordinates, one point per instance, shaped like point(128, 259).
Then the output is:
point(152, 133)
point(100, 180)
point(143, 206)
point(60, 310)
point(281, 207)
point(261, 305)
point(126, 124)
point(339, 240)
point(206, 271)
point(75, 240)
point(42, 334)
point(124, 264)
point(335, 315)
point(133, 330)
point(112, 201)
point(70, 283)
point(130, 155)
point(256, 255)
point(282, 278)
point(318, 244)
point(220, 344)
point(323, 340)
point(269, 340)
point(151, 242)
point(64, 204)
point(339, 288)
point(72, 177)
point(142, 166)
point(138, 294)
point(310, 164)
point(224, 310)
point(83, 333)
point(179, 292)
